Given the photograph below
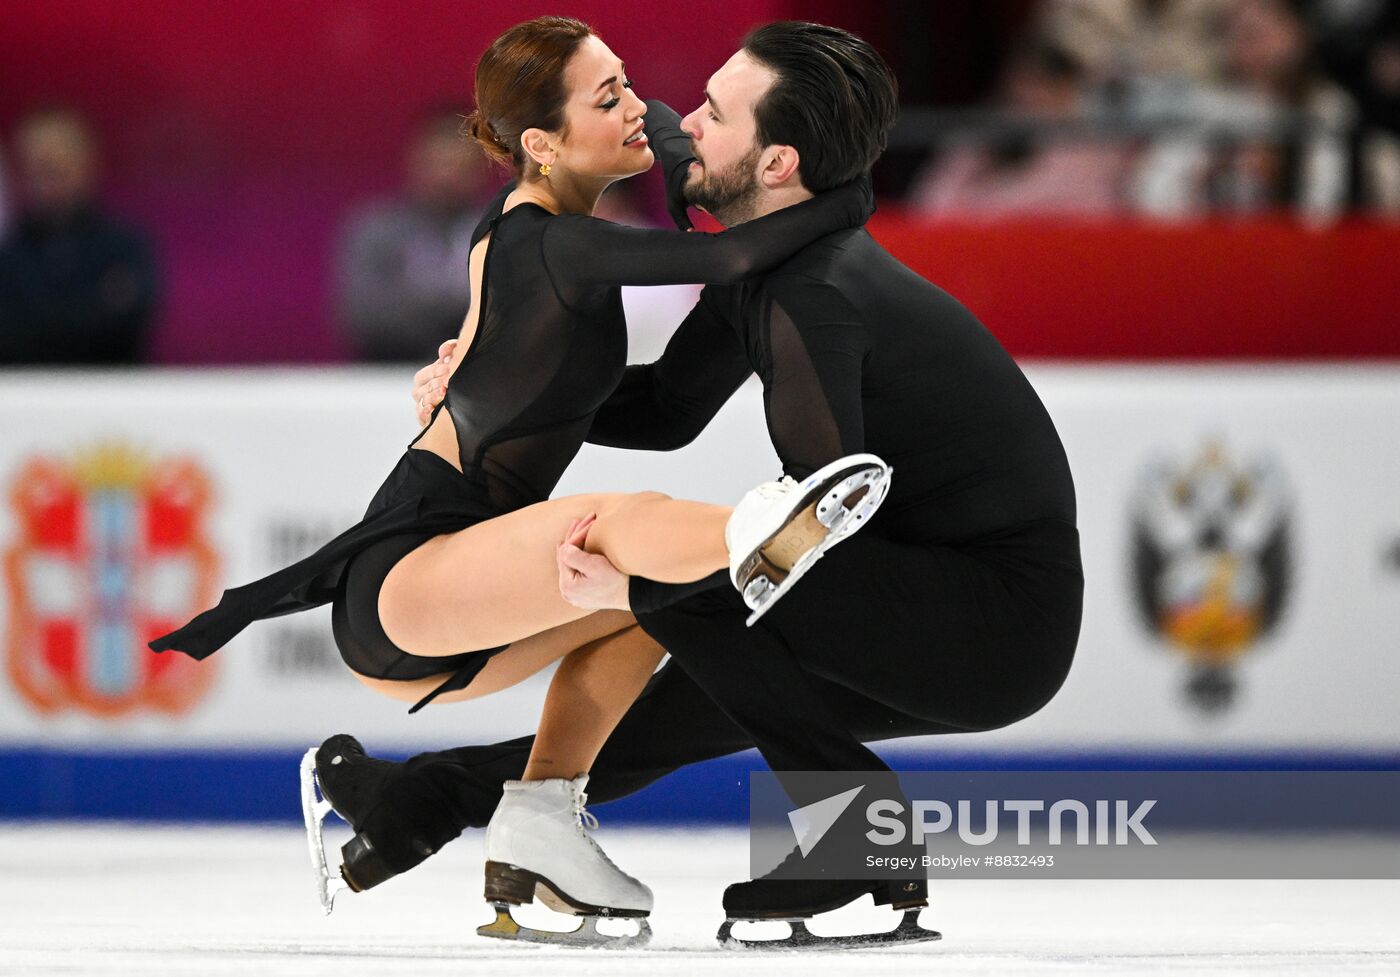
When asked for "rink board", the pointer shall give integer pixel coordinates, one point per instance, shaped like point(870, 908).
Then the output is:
point(1255, 511)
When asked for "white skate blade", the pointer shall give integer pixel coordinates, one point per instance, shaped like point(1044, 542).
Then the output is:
point(841, 525)
point(847, 521)
point(801, 938)
point(585, 936)
point(766, 597)
point(314, 809)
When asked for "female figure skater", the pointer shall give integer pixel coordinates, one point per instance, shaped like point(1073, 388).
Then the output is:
point(448, 588)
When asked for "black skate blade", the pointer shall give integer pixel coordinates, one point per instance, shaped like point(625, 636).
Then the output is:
point(801, 938)
point(585, 936)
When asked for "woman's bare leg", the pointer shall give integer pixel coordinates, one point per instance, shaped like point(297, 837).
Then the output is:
point(607, 662)
point(496, 583)
point(647, 534)
point(591, 690)
point(514, 665)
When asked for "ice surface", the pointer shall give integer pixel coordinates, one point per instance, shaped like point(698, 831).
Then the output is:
point(213, 901)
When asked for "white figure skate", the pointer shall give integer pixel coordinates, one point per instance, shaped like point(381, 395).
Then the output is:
point(780, 529)
point(536, 845)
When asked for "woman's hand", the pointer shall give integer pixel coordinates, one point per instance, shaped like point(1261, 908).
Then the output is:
point(430, 383)
point(589, 580)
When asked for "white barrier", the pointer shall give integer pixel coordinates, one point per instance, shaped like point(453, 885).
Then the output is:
point(1253, 512)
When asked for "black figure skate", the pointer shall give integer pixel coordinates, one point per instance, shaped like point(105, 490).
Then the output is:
point(794, 901)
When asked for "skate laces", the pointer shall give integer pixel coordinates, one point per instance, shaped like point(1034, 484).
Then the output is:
point(585, 816)
point(770, 491)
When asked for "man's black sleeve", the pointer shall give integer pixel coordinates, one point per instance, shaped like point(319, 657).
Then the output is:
point(672, 148)
point(813, 391)
point(663, 405)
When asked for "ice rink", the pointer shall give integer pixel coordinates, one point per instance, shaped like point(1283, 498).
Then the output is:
point(210, 901)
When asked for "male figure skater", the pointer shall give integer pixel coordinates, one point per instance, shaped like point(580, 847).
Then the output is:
point(956, 610)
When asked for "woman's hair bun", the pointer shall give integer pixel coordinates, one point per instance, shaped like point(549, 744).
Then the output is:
point(479, 128)
point(520, 85)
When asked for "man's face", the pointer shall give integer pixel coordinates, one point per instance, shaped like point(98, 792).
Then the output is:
point(723, 132)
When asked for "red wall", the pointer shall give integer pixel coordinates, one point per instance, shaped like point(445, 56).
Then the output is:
point(1268, 288)
point(242, 134)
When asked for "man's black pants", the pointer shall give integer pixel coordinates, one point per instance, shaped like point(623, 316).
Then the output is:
point(880, 640)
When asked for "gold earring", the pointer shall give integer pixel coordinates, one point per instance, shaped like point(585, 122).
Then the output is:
point(544, 169)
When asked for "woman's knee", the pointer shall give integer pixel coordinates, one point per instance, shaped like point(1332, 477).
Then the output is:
point(623, 502)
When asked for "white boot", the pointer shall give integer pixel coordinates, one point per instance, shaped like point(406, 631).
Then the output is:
point(780, 529)
point(537, 836)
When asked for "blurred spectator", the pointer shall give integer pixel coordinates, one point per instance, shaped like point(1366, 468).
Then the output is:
point(1118, 41)
point(1042, 84)
point(404, 284)
point(4, 199)
point(76, 286)
point(1317, 157)
point(1358, 43)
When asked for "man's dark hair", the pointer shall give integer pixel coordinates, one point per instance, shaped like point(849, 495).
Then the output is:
point(834, 99)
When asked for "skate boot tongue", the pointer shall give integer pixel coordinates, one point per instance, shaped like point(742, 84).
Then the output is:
point(550, 785)
point(576, 787)
point(776, 489)
point(554, 793)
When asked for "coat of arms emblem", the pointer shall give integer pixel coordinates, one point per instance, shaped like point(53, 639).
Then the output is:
point(109, 552)
point(1211, 562)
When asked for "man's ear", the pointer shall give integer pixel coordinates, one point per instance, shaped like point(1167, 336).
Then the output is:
point(780, 167)
point(538, 146)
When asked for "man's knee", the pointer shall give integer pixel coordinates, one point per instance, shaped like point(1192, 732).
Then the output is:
point(1014, 694)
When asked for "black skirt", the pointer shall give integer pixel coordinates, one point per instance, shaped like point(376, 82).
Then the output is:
point(424, 494)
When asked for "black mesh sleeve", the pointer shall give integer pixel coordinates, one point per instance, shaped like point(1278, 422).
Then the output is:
point(663, 405)
point(672, 148)
point(589, 252)
point(812, 396)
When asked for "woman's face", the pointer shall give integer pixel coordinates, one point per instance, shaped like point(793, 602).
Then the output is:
point(603, 132)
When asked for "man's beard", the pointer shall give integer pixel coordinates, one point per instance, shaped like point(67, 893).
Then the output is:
point(728, 195)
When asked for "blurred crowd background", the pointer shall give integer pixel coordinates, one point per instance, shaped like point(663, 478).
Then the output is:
point(275, 183)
